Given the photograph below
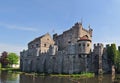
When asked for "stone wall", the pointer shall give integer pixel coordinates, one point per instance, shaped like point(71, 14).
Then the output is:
point(42, 42)
point(62, 62)
point(46, 41)
point(71, 36)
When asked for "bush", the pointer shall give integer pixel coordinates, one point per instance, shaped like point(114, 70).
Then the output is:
point(0, 65)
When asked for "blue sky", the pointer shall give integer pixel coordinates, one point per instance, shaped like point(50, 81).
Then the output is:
point(23, 20)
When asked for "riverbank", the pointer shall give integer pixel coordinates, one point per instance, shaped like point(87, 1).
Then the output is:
point(7, 77)
point(74, 76)
point(10, 69)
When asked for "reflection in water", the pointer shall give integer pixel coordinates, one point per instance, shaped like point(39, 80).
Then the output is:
point(16, 78)
point(113, 78)
point(47, 79)
point(100, 78)
point(9, 77)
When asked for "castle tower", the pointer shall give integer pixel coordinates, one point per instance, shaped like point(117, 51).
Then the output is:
point(79, 29)
point(84, 45)
point(98, 53)
point(84, 50)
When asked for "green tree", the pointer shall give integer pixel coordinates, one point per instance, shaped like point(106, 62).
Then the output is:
point(0, 65)
point(118, 48)
point(114, 53)
point(13, 58)
point(118, 61)
point(109, 54)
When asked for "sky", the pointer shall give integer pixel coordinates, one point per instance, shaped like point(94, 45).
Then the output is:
point(23, 20)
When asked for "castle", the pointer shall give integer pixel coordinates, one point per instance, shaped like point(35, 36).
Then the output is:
point(69, 52)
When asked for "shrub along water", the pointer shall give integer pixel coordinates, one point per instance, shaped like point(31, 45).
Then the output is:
point(75, 76)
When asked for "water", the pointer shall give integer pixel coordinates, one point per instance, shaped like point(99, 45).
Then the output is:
point(6, 77)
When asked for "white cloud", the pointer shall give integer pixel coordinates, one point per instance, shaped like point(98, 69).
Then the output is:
point(18, 27)
point(11, 48)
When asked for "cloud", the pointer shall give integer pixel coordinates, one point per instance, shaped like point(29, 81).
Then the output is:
point(11, 48)
point(18, 27)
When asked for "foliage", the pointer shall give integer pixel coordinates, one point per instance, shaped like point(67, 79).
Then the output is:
point(3, 60)
point(118, 61)
point(114, 56)
point(10, 69)
point(13, 58)
point(109, 54)
point(0, 65)
point(75, 76)
point(118, 48)
point(114, 53)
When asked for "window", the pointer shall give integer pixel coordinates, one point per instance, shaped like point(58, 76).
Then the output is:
point(53, 57)
point(73, 56)
point(37, 45)
point(88, 45)
point(44, 45)
point(79, 44)
point(88, 56)
point(69, 41)
point(32, 46)
point(83, 44)
point(79, 55)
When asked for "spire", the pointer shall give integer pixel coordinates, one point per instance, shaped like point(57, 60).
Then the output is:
point(90, 30)
point(89, 26)
point(81, 21)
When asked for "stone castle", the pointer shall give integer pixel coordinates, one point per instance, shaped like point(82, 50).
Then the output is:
point(69, 52)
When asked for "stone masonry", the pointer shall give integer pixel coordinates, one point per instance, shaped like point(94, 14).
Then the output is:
point(69, 52)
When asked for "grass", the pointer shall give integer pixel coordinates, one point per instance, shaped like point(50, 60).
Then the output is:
point(11, 70)
point(60, 75)
point(75, 76)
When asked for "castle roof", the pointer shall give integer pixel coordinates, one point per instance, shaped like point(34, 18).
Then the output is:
point(84, 38)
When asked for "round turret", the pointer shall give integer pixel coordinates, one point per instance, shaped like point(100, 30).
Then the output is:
point(84, 45)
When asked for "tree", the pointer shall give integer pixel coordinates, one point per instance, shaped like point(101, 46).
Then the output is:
point(118, 61)
point(109, 54)
point(13, 58)
point(114, 53)
point(118, 48)
point(3, 60)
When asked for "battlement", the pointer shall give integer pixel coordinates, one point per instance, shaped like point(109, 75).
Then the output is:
point(78, 23)
point(98, 45)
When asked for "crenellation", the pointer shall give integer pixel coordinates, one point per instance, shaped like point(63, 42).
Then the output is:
point(95, 45)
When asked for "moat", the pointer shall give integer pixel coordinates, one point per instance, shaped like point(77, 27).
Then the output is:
point(6, 77)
